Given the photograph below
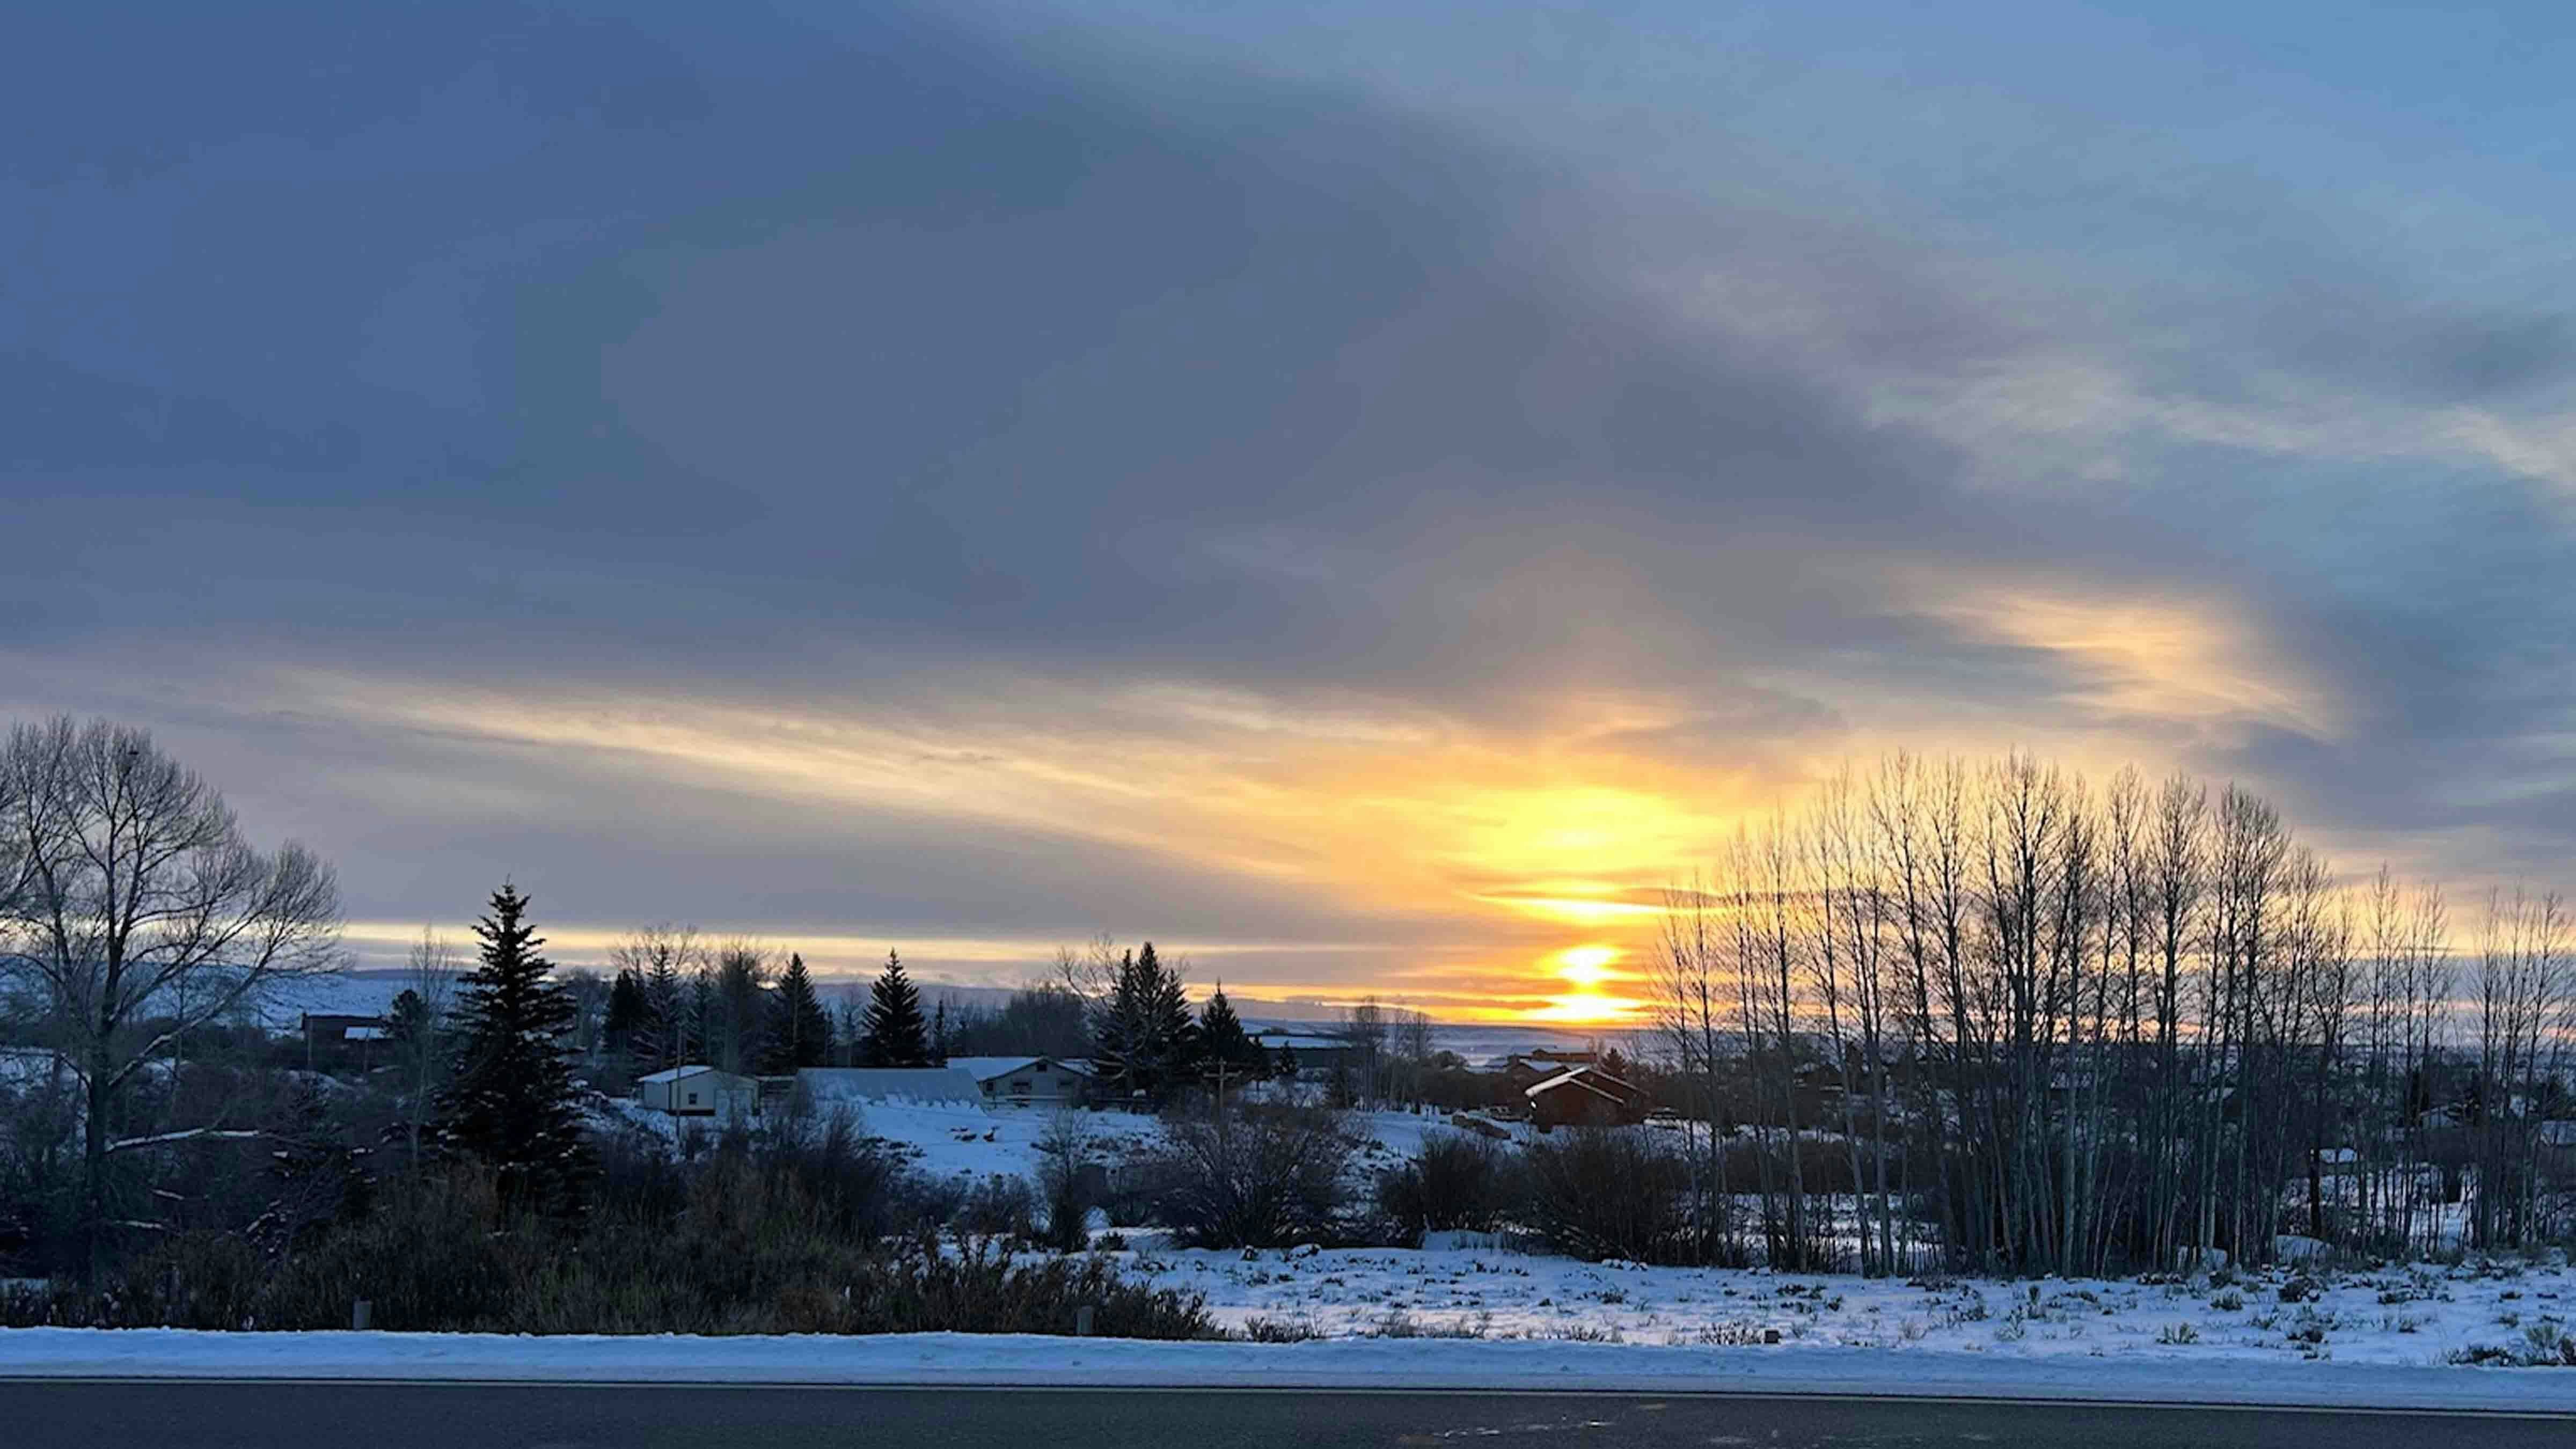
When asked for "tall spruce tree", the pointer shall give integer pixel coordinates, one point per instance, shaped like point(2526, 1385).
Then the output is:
point(800, 1030)
point(1222, 1039)
point(509, 1104)
point(1142, 1033)
point(660, 1044)
point(698, 1018)
point(629, 1027)
point(896, 1035)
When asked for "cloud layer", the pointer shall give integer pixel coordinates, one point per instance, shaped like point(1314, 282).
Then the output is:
point(1317, 488)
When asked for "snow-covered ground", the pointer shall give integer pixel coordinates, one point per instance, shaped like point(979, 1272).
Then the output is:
point(958, 1139)
point(2412, 1317)
point(1410, 1363)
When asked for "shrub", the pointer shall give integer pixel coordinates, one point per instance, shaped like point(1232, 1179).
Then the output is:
point(1068, 1177)
point(980, 1290)
point(1260, 1329)
point(747, 1245)
point(1265, 1176)
point(1456, 1181)
point(1596, 1193)
point(1000, 1207)
point(433, 1255)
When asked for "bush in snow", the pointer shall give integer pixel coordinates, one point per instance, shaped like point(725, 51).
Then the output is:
point(1067, 1176)
point(1596, 1193)
point(1258, 1176)
point(1456, 1181)
point(999, 1206)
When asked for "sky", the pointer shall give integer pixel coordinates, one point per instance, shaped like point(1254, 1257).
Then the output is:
point(1360, 494)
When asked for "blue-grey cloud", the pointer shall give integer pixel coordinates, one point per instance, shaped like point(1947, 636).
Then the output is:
point(811, 364)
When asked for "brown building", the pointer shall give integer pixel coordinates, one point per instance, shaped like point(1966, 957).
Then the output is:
point(1586, 1097)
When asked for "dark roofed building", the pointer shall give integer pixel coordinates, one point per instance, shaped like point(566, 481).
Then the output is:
point(1586, 1097)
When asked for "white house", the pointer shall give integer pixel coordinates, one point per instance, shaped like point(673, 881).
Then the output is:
point(698, 1091)
point(1026, 1081)
point(927, 1086)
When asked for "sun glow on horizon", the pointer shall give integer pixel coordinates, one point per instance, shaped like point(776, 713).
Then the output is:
point(1587, 968)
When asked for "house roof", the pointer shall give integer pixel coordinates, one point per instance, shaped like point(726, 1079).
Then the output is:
point(985, 1069)
point(916, 1084)
point(1274, 1040)
point(673, 1074)
point(1591, 1079)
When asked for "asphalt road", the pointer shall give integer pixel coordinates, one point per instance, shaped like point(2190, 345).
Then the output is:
point(166, 1414)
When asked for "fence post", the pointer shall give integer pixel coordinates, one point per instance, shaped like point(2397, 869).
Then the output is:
point(361, 1314)
point(1082, 1321)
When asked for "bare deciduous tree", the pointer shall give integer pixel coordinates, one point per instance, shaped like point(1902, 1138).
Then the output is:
point(137, 912)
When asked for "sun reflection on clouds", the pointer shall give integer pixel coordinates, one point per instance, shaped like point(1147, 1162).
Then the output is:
point(1484, 873)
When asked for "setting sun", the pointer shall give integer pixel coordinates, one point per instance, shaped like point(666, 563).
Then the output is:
point(1587, 968)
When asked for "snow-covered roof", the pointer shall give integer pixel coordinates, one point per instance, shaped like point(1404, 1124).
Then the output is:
point(365, 1033)
point(673, 1074)
point(985, 1069)
point(1274, 1040)
point(890, 1084)
point(1590, 1079)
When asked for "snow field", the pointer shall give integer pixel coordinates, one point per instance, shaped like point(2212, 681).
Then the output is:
point(2417, 1317)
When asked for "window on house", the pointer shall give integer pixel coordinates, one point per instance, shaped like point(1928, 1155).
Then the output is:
point(1020, 1087)
point(693, 1099)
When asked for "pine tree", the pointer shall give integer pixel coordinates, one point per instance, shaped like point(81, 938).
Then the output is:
point(510, 1102)
point(939, 1033)
point(1142, 1034)
point(1222, 1039)
point(800, 1030)
point(1173, 1031)
point(407, 1021)
point(739, 1021)
point(1286, 1068)
point(661, 1044)
point(698, 1013)
point(629, 1027)
point(896, 1036)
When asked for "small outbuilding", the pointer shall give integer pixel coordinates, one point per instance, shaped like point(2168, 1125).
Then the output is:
point(1026, 1081)
point(698, 1091)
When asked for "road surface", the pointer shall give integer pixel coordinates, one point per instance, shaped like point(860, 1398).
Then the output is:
point(170, 1414)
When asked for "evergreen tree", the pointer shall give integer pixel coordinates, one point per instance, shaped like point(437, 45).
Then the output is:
point(407, 1021)
point(509, 1103)
point(1142, 1034)
point(739, 1021)
point(896, 1035)
point(939, 1033)
point(661, 1044)
point(629, 1028)
point(1222, 1040)
point(1175, 1033)
point(1286, 1069)
point(800, 1030)
point(698, 1020)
